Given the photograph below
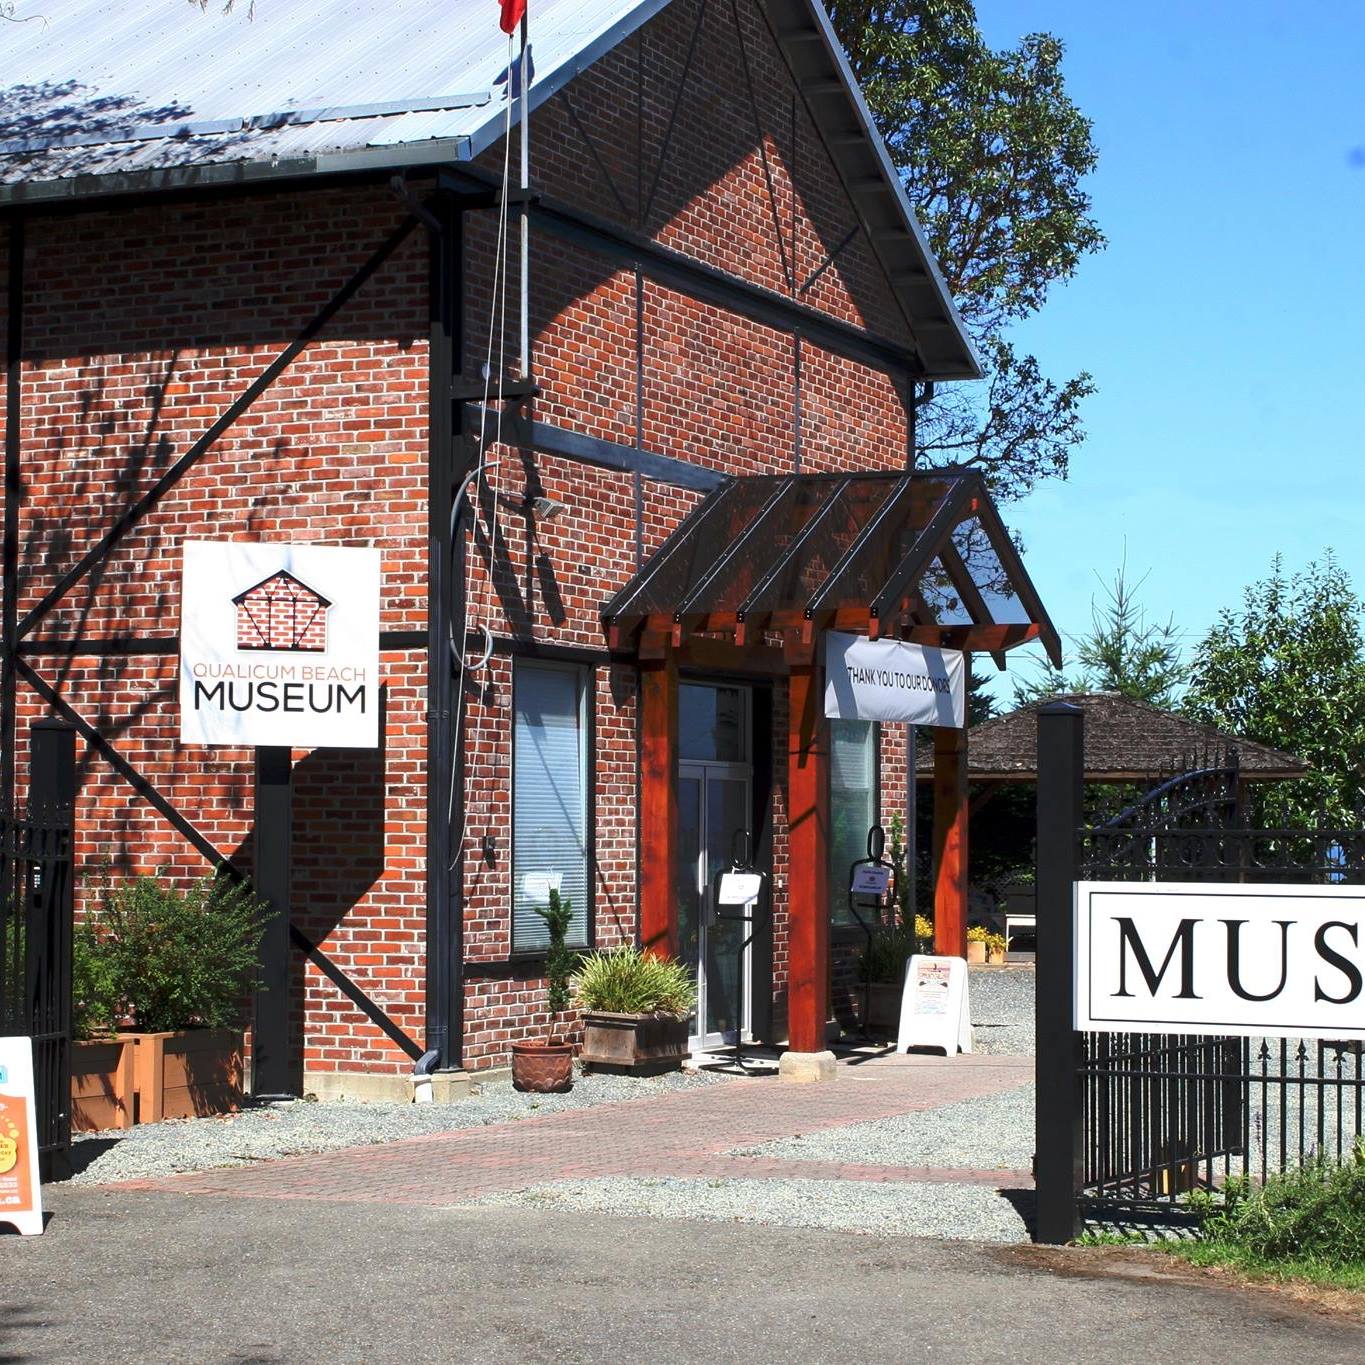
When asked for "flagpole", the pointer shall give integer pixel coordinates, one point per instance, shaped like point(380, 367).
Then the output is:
point(525, 206)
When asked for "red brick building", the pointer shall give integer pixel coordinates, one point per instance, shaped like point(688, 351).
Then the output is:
point(253, 290)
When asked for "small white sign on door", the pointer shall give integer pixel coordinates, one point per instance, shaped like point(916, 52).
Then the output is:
point(739, 888)
point(934, 1009)
point(536, 886)
point(21, 1198)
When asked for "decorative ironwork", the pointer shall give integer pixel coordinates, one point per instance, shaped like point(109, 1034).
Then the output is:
point(35, 959)
point(1166, 1114)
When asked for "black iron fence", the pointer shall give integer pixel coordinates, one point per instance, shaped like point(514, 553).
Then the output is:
point(1141, 1119)
point(35, 958)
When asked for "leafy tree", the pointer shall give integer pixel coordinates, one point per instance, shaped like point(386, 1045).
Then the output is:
point(1288, 669)
point(1124, 653)
point(992, 151)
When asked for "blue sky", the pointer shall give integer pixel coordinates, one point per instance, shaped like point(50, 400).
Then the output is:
point(1225, 322)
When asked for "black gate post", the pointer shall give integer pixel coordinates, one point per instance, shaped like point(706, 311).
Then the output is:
point(50, 926)
point(1059, 1158)
point(271, 1071)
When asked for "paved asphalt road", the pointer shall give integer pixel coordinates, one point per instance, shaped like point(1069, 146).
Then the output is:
point(162, 1277)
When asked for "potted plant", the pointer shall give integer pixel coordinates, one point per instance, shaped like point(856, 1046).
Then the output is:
point(102, 1087)
point(547, 1067)
point(882, 969)
point(995, 947)
point(635, 1010)
point(977, 934)
point(165, 971)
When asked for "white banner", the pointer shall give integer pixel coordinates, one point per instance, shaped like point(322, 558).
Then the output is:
point(894, 680)
point(279, 645)
point(1247, 960)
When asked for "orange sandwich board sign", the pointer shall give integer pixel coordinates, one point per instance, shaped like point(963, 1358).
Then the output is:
point(21, 1200)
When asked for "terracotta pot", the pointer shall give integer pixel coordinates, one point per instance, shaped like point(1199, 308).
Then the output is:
point(636, 1043)
point(102, 1086)
point(976, 950)
point(995, 956)
point(542, 1068)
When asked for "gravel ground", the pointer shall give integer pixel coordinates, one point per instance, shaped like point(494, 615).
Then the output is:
point(267, 1132)
point(990, 1132)
point(957, 1212)
point(1001, 1003)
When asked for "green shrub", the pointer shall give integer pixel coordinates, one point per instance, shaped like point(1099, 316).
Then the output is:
point(167, 958)
point(1313, 1215)
point(628, 981)
point(886, 954)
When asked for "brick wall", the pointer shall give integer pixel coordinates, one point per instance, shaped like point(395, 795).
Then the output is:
point(143, 324)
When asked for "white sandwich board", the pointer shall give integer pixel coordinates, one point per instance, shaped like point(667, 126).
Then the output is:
point(934, 1011)
point(21, 1196)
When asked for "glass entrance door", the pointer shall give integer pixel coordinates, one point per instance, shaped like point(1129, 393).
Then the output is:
point(714, 807)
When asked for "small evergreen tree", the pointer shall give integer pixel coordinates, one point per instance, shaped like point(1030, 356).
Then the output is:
point(560, 960)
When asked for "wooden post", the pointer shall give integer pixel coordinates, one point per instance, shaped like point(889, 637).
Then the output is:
point(659, 804)
point(808, 860)
point(950, 842)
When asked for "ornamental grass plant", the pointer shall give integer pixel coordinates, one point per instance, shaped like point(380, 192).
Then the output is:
point(891, 946)
point(626, 980)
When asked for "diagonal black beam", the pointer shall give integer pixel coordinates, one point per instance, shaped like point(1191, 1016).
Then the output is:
point(967, 590)
point(673, 115)
point(900, 492)
point(205, 846)
point(831, 256)
point(182, 466)
point(747, 538)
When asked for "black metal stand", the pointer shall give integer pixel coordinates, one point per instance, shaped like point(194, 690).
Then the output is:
point(741, 861)
point(876, 846)
point(271, 1073)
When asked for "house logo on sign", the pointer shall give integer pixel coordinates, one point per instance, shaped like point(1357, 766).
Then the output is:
point(282, 613)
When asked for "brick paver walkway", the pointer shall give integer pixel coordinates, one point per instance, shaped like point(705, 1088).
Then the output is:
point(682, 1133)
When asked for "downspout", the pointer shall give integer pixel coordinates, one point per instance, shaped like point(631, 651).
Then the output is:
point(912, 407)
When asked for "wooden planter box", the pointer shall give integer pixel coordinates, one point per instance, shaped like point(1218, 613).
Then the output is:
point(883, 1006)
point(640, 1044)
point(102, 1085)
point(187, 1074)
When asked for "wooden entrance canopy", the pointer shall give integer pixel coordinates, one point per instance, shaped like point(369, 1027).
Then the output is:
point(747, 583)
point(922, 556)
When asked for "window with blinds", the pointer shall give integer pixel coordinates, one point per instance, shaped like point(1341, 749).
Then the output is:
point(852, 804)
point(549, 800)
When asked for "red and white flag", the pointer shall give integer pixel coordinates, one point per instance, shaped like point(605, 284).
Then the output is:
point(512, 12)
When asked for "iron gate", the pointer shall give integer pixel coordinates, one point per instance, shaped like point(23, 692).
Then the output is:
point(1133, 1121)
point(35, 959)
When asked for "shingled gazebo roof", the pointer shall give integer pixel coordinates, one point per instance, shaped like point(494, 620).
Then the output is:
point(1125, 741)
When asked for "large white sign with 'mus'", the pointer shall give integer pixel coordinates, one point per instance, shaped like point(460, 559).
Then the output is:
point(894, 680)
point(279, 645)
point(1188, 957)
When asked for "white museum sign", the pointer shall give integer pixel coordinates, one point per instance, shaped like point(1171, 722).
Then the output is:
point(894, 680)
point(1247, 960)
point(279, 645)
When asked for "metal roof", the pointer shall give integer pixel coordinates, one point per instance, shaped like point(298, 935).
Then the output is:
point(125, 96)
point(921, 554)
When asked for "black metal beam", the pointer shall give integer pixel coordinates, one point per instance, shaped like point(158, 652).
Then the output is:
point(14, 491)
point(967, 590)
point(548, 439)
point(926, 545)
point(445, 579)
point(1019, 579)
point(186, 462)
point(272, 834)
point(707, 284)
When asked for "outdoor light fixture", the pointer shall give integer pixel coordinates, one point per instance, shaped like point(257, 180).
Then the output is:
point(547, 509)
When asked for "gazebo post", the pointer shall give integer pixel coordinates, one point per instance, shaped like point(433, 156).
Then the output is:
point(950, 842)
point(658, 859)
point(807, 1057)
